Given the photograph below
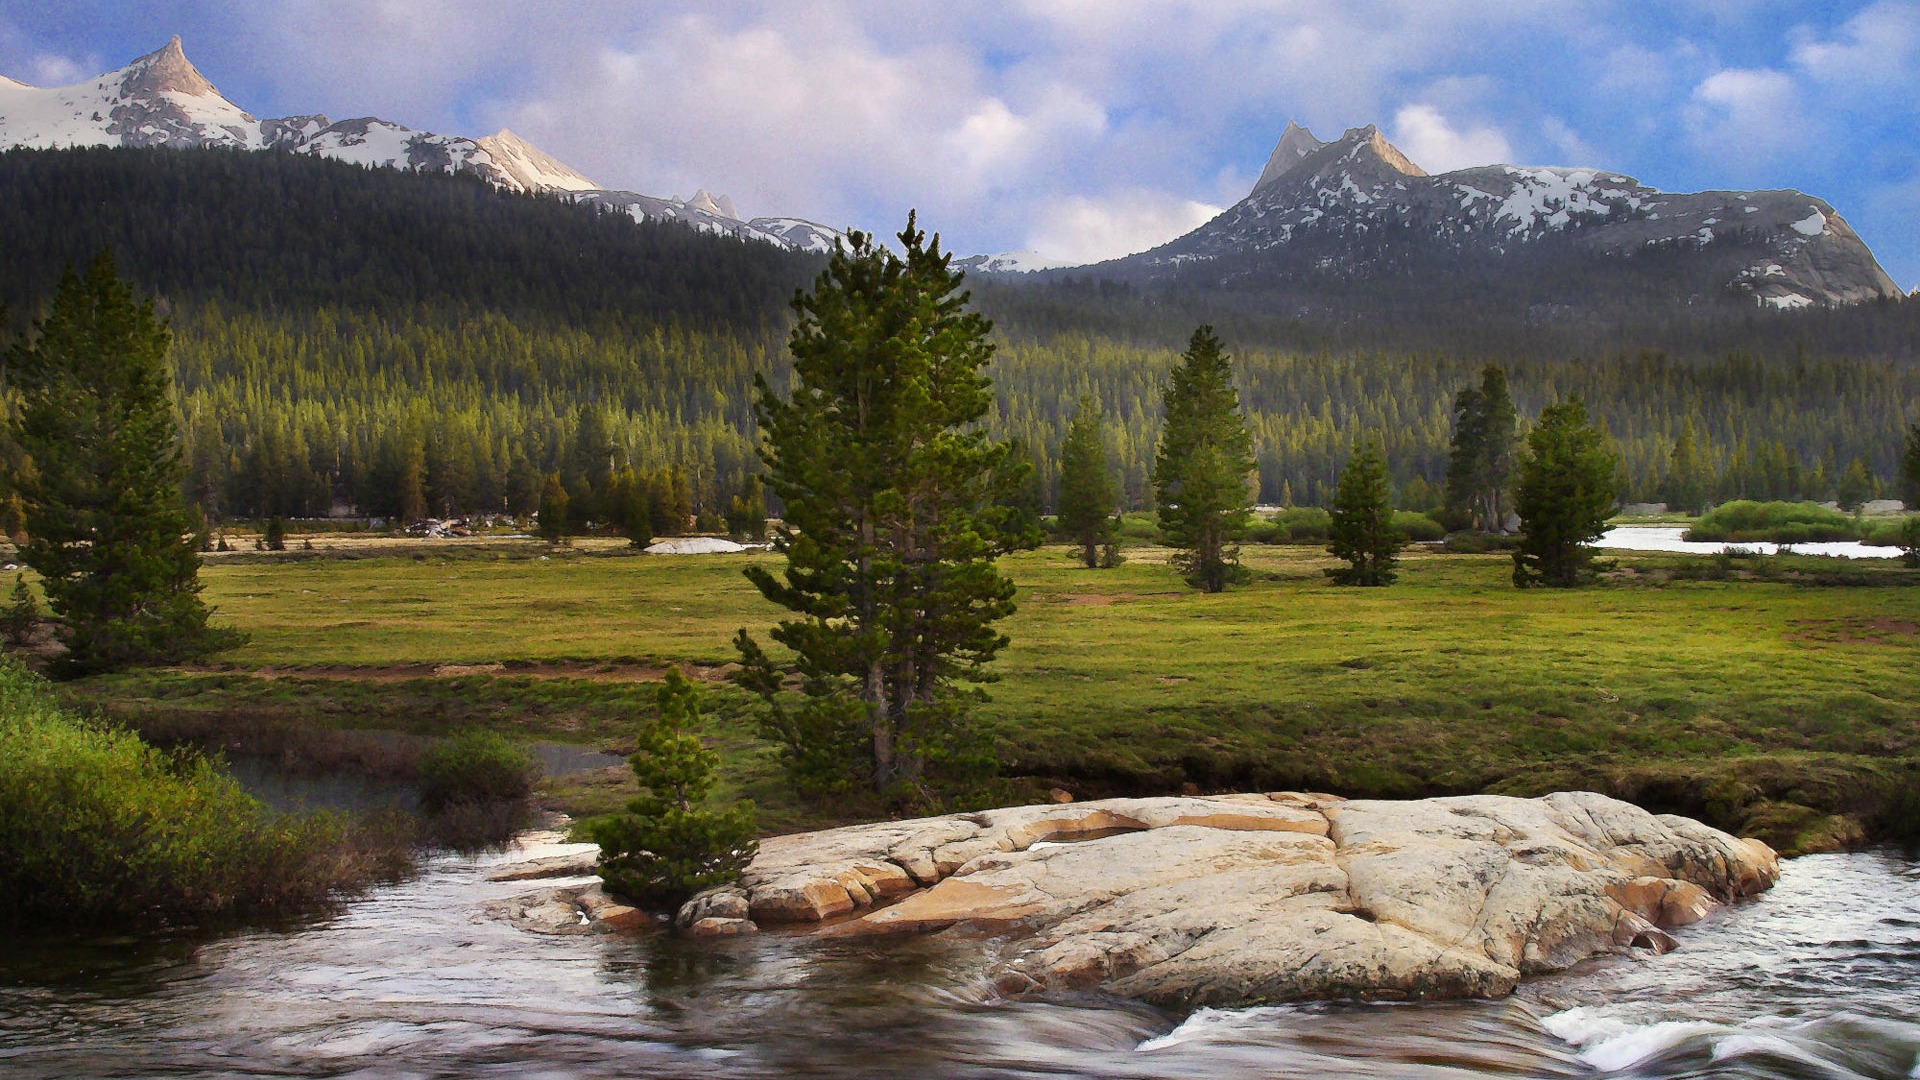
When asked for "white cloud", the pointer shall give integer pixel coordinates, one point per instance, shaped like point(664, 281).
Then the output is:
point(1572, 149)
point(1876, 50)
point(1744, 117)
point(1086, 229)
point(1434, 144)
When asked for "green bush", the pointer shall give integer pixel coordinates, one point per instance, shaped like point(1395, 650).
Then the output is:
point(97, 827)
point(475, 767)
point(1418, 527)
point(1301, 525)
point(1140, 527)
point(1744, 521)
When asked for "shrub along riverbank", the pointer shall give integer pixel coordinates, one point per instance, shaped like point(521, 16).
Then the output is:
point(97, 827)
point(1743, 521)
point(1783, 704)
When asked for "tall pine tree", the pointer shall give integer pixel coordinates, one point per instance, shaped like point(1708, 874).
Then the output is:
point(1088, 494)
point(1564, 495)
point(1200, 472)
point(1480, 462)
point(889, 530)
point(1362, 529)
point(109, 530)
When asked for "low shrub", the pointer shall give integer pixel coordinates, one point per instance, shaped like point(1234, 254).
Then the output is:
point(1418, 528)
point(475, 767)
point(98, 827)
point(1776, 522)
point(1140, 527)
point(1302, 525)
point(1472, 543)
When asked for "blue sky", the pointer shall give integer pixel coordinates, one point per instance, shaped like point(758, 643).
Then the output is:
point(1081, 128)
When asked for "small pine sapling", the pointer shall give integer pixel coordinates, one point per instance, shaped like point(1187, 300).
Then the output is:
point(669, 844)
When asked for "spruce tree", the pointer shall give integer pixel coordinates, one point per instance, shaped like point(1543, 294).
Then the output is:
point(1856, 485)
point(670, 844)
point(1088, 494)
point(1480, 461)
point(1362, 529)
point(1564, 496)
point(108, 529)
point(747, 511)
point(1910, 468)
point(21, 614)
point(1688, 478)
point(1201, 469)
point(554, 503)
point(889, 532)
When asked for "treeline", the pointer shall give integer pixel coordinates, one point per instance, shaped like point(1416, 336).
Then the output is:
point(424, 346)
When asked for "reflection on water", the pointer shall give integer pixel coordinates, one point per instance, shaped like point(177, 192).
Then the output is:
point(1669, 538)
point(1811, 980)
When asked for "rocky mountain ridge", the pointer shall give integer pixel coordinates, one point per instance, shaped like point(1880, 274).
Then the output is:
point(161, 99)
point(1356, 207)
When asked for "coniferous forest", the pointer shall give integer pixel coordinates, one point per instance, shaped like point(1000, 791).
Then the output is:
point(422, 345)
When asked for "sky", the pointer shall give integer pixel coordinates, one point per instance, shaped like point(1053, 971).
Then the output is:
point(1081, 129)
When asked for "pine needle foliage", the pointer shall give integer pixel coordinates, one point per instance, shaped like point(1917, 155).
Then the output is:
point(110, 534)
point(671, 844)
point(1201, 471)
point(887, 478)
point(1564, 495)
point(1362, 531)
point(1089, 498)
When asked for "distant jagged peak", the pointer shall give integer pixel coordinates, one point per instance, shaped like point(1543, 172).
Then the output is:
point(1295, 143)
point(534, 168)
point(718, 205)
point(166, 70)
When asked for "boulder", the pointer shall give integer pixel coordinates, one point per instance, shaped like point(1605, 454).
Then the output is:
point(1235, 899)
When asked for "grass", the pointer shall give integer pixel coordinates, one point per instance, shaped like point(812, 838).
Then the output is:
point(1778, 704)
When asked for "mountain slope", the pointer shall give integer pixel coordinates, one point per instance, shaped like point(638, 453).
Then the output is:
point(162, 100)
point(1327, 217)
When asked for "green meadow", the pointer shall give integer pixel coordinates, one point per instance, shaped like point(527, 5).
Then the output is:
point(1779, 697)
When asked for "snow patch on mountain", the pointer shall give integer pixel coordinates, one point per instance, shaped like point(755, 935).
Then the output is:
point(532, 167)
point(1009, 262)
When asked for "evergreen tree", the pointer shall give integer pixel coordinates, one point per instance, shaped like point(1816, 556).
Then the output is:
point(747, 511)
point(276, 534)
point(1910, 468)
point(553, 511)
point(1688, 476)
point(1857, 484)
point(630, 510)
point(1480, 462)
point(108, 529)
point(22, 613)
point(1088, 494)
point(1201, 469)
point(1362, 529)
point(1564, 496)
point(889, 534)
point(670, 844)
point(1018, 502)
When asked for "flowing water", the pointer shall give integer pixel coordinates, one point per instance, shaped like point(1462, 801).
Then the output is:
point(1815, 979)
point(1671, 538)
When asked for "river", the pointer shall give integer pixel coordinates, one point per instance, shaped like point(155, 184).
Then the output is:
point(1814, 979)
point(1672, 538)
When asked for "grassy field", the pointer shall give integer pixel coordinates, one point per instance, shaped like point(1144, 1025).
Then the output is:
point(1781, 698)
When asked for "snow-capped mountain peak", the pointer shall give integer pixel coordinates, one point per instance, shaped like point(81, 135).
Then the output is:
point(161, 99)
point(717, 205)
point(531, 166)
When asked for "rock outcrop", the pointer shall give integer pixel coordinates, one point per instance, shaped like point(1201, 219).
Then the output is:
point(1238, 899)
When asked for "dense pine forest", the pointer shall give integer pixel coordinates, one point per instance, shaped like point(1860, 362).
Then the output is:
point(407, 346)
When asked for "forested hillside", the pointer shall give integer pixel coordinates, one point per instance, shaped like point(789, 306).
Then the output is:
point(424, 344)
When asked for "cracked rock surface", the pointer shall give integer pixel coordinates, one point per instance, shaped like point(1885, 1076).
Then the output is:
point(1237, 899)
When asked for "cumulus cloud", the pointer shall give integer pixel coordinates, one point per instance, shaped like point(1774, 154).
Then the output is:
point(1877, 49)
point(1087, 228)
point(1436, 145)
point(1744, 117)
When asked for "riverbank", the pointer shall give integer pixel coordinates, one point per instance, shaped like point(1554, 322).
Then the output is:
point(1766, 704)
